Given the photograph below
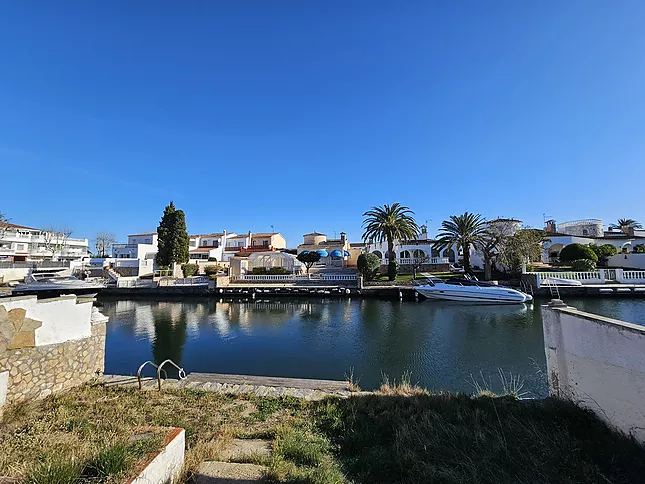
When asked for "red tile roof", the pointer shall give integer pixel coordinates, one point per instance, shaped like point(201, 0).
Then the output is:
point(204, 235)
point(203, 249)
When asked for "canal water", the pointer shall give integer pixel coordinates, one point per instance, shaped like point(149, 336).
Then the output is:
point(442, 346)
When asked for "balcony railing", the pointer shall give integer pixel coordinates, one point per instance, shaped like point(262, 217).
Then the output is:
point(253, 248)
point(431, 260)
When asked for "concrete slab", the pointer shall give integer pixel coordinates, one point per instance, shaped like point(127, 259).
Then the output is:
point(228, 473)
point(242, 450)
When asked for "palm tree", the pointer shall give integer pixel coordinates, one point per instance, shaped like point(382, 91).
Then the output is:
point(389, 223)
point(625, 223)
point(464, 231)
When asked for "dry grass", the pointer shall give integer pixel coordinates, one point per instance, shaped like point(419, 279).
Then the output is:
point(399, 434)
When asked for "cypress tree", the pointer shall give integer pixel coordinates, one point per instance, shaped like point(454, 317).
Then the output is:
point(164, 246)
point(173, 243)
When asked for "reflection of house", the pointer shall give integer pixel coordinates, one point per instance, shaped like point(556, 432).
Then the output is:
point(419, 251)
point(19, 243)
point(585, 232)
point(334, 252)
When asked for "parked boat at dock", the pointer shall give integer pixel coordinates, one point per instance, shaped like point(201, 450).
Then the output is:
point(52, 285)
point(471, 291)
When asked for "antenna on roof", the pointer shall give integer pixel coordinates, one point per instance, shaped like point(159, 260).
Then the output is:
point(272, 229)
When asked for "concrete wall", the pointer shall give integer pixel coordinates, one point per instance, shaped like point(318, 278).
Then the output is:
point(49, 345)
point(599, 363)
point(166, 466)
point(17, 274)
point(635, 261)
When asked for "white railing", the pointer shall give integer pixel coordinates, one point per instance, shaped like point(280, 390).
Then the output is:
point(126, 282)
point(293, 278)
point(431, 260)
point(634, 276)
point(183, 281)
point(601, 276)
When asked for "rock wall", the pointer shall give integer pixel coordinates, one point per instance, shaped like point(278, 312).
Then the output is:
point(35, 370)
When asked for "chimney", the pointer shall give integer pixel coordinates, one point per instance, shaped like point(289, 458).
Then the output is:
point(550, 227)
point(343, 238)
point(250, 236)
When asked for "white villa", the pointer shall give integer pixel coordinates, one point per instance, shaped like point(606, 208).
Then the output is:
point(420, 250)
point(137, 257)
point(23, 244)
point(588, 231)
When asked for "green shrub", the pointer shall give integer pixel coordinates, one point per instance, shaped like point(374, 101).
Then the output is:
point(212, 259)
point(573, 252)
point(189, 269)
point(603, 251)
point(583, 265)
point(639, 249)
point(277, 271)
point(210, 270)
point(530, 268)
point(391, 270)
point(368, 265)
point(258, 271)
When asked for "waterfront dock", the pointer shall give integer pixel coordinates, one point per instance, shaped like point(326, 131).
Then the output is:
point(262, 386)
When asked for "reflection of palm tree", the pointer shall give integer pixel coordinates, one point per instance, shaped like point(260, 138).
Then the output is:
point(170, 336)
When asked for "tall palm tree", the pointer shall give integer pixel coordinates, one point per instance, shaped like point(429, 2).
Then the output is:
point(625, 223)
point(464, 231)
point(389, 223)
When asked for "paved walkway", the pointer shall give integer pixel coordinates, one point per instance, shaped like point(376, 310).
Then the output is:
point(238, 384)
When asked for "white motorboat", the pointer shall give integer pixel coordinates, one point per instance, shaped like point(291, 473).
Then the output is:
point(471, 291)
point(556, 281)
point(53, 285)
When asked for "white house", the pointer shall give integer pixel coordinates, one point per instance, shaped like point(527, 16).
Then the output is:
point(137, 257)
point(421, 250)
point(588, 231)
point(19, 243)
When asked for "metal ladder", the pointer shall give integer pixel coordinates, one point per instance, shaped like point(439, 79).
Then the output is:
point(181, 372)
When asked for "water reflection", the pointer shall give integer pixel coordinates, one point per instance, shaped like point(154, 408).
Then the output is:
point(443, 345)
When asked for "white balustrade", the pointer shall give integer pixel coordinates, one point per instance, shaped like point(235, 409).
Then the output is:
point(634, 277)
point(292, 277)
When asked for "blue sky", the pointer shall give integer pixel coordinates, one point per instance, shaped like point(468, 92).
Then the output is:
point(302, 115)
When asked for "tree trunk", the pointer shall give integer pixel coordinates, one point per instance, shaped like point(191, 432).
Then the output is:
point(488, 267)
point(392, 258)
point(466, 258)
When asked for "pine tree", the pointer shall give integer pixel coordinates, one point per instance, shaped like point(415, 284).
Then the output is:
point(173, 243)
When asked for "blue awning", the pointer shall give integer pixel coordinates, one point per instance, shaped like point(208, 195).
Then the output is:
point(304, 252)
point(322, 252)
point(347, 254)
point(336, 253)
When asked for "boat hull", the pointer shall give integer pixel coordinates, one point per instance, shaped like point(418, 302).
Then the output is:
point(474, 295)
point(56, 292)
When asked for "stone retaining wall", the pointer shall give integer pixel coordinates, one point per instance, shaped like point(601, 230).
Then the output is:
point(75, 354)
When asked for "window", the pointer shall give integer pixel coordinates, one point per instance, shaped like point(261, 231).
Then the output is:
point(405, 254)
point(419, 254)
point(215, 244)
point(378, 254)
point(585, 232)
point(265, 243)
point(20, 246)
point(193, 242)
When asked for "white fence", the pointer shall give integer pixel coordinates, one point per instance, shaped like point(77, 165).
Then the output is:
point(431, 260)
point(601, 276)
point(183, 281)
point(134, 282)
point(291, 278)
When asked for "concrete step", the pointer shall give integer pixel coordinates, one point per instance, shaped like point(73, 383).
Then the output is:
point(213, 472)
point(244, 450)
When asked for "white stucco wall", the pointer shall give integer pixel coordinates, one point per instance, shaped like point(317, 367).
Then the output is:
point(63, 319)
point(9, 275)
point(599, 363)
point(166, 467)
point(636, 261)
point(4, 384)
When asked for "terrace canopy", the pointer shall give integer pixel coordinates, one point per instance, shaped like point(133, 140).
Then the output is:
point(275, 259)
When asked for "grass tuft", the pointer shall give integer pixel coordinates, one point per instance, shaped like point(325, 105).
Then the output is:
point(55, 473)
point(352, 382)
